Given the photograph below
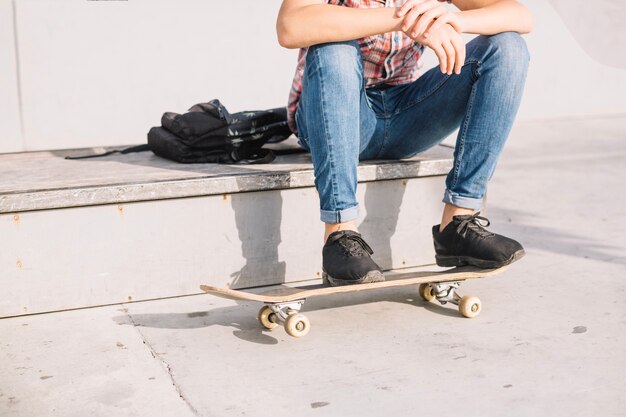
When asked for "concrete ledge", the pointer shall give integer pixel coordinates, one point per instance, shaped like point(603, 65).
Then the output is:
point(80, 233)
point(45, 180)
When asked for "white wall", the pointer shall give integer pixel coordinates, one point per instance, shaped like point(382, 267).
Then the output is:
point(10, 134)
point(597, 26)
point(102, 72)
point(564, 80)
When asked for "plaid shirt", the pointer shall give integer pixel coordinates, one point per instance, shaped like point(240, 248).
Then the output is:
point(391, 58)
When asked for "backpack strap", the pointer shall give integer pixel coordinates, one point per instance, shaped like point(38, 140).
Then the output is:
point(138, 148)
point(262, 156)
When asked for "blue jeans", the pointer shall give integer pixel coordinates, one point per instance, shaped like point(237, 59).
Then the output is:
point(341, 122)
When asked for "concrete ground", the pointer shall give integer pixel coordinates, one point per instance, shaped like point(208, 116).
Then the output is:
point(551, 340)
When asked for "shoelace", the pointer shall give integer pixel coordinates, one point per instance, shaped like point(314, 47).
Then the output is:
point(476, 223)
point(353, 244)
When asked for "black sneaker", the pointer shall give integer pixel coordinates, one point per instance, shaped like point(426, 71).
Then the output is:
point(346, 260)
point(465, 241)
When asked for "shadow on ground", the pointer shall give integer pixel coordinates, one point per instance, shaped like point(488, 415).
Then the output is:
point(518, 224)
point(242, 317)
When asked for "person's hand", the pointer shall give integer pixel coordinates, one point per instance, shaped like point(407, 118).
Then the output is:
point(449, 46)
point(429, 23)
point(423, 17)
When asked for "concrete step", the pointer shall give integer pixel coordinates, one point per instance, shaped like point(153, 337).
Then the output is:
point(121, 228)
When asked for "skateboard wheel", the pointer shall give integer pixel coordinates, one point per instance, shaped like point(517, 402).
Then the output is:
point(297, 325)
point(470, 306)
point(426, 292)
point(267, 318)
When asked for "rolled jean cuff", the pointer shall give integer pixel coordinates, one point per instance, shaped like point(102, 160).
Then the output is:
point(464, 202)
point(340, 216)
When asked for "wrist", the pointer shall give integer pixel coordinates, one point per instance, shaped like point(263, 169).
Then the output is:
point(397, 25)
point(460, 22)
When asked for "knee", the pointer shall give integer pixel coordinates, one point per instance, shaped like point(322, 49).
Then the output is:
point(335, 58)
point(509, 51)
point(511, 45)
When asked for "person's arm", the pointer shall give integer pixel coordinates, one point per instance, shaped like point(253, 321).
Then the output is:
point(489, 17)
point(481, 17)
point(426, 22)
point(303, 23)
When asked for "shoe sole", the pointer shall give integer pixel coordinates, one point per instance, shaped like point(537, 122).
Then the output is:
point(451, 261)
point(372, 276)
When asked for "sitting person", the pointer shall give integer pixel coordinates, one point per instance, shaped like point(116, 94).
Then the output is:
point(358, 94)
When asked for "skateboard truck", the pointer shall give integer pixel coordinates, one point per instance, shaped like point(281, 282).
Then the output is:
point(445, 292)
point(287, 314)
point(284, 310)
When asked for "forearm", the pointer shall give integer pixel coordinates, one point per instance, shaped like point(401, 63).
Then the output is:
point(318, 23)
point(501, 16)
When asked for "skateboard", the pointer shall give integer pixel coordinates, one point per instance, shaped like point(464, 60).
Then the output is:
point(282, 305)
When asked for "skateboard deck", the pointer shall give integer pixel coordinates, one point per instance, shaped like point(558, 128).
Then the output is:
point(282, 305)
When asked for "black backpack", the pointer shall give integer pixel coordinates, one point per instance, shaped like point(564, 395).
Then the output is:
point(209, 133)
